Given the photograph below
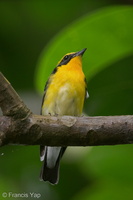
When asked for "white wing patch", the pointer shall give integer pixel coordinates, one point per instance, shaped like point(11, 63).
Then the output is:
point(87, 95)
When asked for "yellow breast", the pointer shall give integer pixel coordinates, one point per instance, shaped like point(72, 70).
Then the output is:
point(66, 91)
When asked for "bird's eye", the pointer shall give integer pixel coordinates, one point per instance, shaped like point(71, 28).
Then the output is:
point(65, 60)
point(66, 57)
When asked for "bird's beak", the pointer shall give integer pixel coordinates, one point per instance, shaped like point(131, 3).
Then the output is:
point(79, 53)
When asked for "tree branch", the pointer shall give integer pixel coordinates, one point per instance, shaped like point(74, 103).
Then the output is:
point(20, 126)
point(10, 102)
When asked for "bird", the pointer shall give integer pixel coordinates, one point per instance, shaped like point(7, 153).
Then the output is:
point(64, 94)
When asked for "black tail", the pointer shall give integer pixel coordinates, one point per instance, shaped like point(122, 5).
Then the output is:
point(51, 174)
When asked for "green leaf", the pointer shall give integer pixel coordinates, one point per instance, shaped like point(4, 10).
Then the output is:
point(107, 33)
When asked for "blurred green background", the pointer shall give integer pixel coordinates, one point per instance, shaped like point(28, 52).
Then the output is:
point(34, 35)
